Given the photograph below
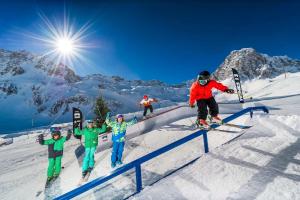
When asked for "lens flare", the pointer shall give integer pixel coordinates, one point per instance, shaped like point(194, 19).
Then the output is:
point(61, 41)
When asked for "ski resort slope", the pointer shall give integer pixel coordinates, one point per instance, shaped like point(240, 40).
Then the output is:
point(263, 163)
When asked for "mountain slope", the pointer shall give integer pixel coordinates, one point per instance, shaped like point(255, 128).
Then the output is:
point(254, 65)
point(35, 91)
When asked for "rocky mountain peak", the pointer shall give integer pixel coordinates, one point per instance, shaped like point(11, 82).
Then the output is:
point(254, 65)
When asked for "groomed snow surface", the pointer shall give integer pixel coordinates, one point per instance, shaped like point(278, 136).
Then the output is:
point(263, 163)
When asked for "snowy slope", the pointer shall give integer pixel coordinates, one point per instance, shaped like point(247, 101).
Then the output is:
point(35, 91)
point(263, 163)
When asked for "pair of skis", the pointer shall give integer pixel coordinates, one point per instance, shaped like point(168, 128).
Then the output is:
point(224, 124)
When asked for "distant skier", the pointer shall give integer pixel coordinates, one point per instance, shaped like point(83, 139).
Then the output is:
point(55, 152)
point(90, 134)
point(119, 127)
point(201, 93)
point(146, 102)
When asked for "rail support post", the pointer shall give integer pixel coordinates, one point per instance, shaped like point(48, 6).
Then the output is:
point(138, 175)
point(205, 141)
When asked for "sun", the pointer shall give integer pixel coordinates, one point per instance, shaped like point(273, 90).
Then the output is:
point(62, 41)
point(65, 45)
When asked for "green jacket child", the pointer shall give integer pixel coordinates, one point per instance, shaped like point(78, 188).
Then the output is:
point(90, 142)
point(55, 151)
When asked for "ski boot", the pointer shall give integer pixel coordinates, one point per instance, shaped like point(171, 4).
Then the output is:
point(113, 165)
point(119, 162)
point(49, 182)
point(84, 173)
point(216, 120)
point(202, 124)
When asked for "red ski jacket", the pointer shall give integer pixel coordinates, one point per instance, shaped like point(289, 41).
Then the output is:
point(198, 91)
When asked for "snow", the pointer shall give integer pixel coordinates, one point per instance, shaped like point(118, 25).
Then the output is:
point(263, 163)
point(255, 166)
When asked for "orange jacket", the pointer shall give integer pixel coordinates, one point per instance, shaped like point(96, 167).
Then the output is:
point(198, 91)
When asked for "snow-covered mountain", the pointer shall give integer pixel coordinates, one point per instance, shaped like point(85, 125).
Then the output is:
point(254, 65)
point(35, 91)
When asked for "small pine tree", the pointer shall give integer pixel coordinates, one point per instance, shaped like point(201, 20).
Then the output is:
point(101, 109)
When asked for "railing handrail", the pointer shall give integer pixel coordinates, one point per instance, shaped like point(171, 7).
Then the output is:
point(137, 163)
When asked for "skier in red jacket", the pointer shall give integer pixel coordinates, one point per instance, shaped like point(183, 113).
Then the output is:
point(201, 93)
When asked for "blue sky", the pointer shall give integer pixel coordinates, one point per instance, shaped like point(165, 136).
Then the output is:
point(167, 40)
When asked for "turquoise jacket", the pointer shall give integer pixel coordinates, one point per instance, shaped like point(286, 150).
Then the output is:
point(119, 129)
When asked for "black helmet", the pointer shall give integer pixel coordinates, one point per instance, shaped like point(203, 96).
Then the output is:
point(204, 75)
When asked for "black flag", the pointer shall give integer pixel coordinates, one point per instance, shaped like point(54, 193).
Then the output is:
point(77, 121)
point(238, 85)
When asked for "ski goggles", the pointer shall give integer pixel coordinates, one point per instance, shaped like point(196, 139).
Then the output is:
point(58, 133)
point(55, 129)
point(203, 82)
point(89, 121)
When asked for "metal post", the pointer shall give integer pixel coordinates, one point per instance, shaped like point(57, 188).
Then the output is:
point(205, 140)
point(251, 113)
point(138, 175)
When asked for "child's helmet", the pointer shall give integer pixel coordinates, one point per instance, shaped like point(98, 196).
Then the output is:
point(119, 116)
point(55, 131)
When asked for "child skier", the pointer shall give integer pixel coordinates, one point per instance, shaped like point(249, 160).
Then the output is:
point(90, 134)
point(118, 137)
point(146, 102)
point(201, 93)
point(55, 152)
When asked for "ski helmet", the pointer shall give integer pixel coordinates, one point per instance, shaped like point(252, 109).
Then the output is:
point(203, 77)
point(56, 133)
point(145, 97)
point(53, 129)
point(119, 116)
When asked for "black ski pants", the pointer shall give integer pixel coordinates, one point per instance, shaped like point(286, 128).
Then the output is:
point(146, 109)
point(202, 108)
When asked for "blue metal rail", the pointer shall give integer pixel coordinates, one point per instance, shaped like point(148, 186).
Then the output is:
point(136, 164)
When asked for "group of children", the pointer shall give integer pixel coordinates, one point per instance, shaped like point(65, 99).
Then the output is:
point(200, 93)
point(90, 133)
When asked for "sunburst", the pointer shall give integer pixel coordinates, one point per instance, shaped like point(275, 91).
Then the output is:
point(62, 41)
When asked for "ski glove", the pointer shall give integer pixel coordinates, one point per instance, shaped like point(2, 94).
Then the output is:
point(230, 91)
point(69, 134)
point(41, 139)
point(192, 105)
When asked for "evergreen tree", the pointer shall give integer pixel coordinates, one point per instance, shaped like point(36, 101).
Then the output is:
point(100, 110)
